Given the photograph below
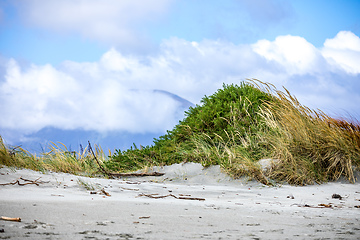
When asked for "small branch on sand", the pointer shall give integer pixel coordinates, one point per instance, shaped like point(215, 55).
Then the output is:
point(131, 189)
point(321, 205)
point(170, 195)
point(102, 191)
point(156, 174)
point(113, 175)
point(97, 161)
point(27, 181)
point(10, 219)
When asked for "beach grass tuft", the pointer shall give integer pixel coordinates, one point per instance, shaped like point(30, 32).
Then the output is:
point(311, 146)
point(57, 159)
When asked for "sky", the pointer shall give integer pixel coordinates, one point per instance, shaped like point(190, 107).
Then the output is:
point(99, 65)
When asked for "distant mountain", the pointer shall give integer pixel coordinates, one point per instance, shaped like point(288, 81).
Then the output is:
point(185, 104)
point(74, 139)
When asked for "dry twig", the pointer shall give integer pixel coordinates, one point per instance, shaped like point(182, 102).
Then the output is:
point(170, 195)
point(156, 174)
point(97, 161)
point(102, 191)
point(10, 219)
point(27, 181)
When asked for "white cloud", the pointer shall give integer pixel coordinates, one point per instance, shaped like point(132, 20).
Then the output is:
point(297, 56)
point(110, 21)
point(293, 53)
point(116, 92)
point(330, 74)
point(344, 40)
point(343, 51)
point(114, 61)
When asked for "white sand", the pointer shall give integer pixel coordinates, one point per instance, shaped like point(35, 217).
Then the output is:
point(61, 208)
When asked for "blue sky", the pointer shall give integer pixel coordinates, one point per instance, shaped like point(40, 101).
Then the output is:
point(57, 58)
point(239, 22)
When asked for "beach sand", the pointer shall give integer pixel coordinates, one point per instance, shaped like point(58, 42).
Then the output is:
point(195, 203)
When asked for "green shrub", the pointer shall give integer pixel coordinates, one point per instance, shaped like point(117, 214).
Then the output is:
point(233, 109)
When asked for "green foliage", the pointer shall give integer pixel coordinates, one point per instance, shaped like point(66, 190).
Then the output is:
point(213, 115)
point(132, 159)
point(233, 109)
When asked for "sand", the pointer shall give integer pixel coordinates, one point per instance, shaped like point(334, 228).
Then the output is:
point(200, 204)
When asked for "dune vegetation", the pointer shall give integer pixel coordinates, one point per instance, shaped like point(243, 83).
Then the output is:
point(236, 127)
point(57, 159)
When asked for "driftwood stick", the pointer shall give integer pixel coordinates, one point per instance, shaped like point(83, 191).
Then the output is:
point(152, 195)
point(10, 183)
point(191, 198)
point(27, 181)
point(171, 195)
point(131, 189)
point(137, 174)
point(187, 198)
point(97, 161)
point(102, 191)
point(321, 205)
point(10, 219)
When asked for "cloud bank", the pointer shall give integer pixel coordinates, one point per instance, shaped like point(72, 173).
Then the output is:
point(116, 93)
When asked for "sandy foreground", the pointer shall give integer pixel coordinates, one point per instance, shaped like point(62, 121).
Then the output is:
point(188, 202)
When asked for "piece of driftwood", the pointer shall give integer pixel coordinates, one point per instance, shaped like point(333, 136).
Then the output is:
point(97, 161)
point(321, 205)
point(338, 196)
point(131, 189)
point(10, 219)
point(113, 175)
point(102, 191)
point(325, 205)
point(138, 183)
point(170, 195)
point(156, 174)
point(26, 182)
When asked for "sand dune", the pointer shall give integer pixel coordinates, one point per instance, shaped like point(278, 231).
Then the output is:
point(187, 202)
